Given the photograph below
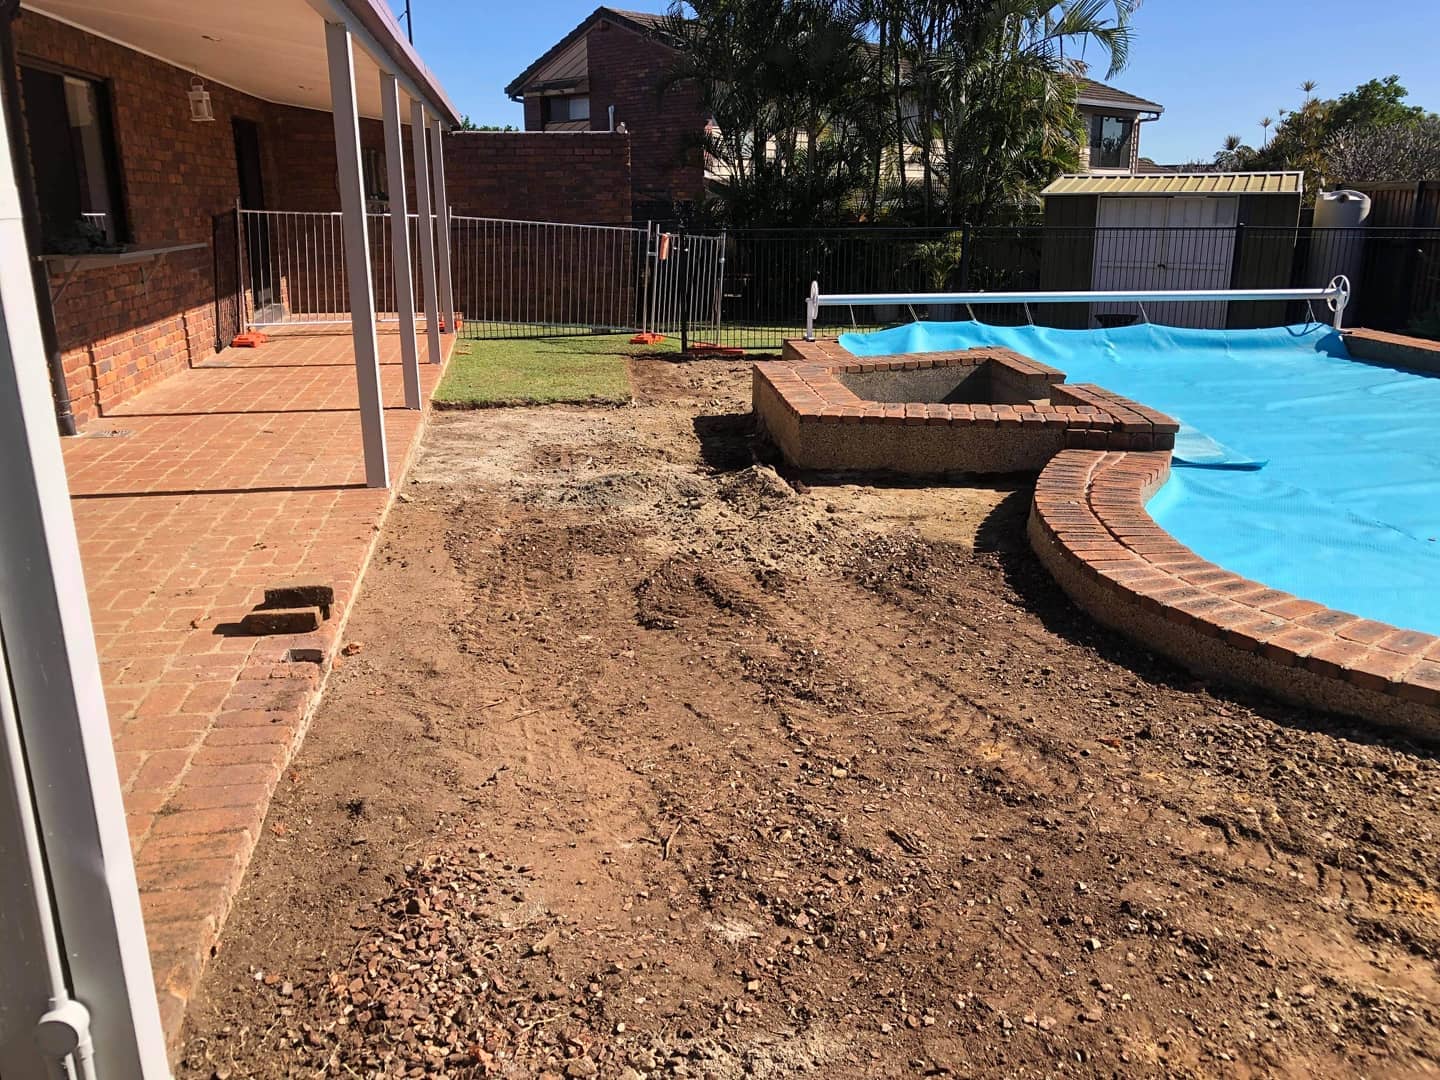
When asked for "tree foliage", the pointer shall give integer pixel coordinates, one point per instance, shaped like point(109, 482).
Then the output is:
point(1368, 133)
point(1380, 152)
point(934, 111)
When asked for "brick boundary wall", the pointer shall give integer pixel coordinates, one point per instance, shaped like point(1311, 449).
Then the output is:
point(578, 177)
point(1089, 527)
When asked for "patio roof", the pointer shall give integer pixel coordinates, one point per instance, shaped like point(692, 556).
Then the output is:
point(272, 49)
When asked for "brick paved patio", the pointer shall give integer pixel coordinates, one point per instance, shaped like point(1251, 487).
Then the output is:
point(242, 473)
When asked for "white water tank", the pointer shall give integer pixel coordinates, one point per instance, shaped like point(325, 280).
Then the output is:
point(1337, 245)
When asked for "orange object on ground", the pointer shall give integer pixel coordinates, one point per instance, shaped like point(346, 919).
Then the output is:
point(647, 339)
point(721, 350)
point(250, 339)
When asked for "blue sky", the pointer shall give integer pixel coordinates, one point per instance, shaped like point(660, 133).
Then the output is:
point(1216, 65)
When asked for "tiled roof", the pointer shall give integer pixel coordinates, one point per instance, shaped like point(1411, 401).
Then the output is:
point(1097, 93)
point(1212, 183)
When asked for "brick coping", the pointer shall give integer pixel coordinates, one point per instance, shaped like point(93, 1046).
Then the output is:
point(1090, 527)
point(808, 383)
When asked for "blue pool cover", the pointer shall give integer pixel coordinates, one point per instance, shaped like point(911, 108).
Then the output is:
point(1308, 471)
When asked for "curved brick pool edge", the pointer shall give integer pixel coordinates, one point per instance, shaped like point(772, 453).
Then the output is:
point(1100, 457)
point(1089, 527)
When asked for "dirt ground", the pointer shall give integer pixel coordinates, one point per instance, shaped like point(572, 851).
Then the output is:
point(651, 761)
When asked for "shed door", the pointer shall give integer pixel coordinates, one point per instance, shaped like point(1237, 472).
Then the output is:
point(1165, 243)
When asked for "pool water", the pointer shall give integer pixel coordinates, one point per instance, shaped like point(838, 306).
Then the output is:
point(1309, 471)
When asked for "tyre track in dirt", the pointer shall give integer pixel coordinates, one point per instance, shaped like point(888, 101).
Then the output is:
point(746, 774)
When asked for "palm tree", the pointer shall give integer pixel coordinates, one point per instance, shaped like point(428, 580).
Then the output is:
point(1265, 122)
point(1234, 155)
point(1308, 88)
point(1007, 76)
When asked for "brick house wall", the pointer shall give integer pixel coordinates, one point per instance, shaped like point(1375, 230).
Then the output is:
point(123, 328)
point(627, 70)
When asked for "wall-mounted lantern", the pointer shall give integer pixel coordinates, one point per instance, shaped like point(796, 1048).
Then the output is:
point(201, 109)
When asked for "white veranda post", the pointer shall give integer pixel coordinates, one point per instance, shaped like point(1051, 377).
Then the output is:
point(418, 127)
point(442, 225)
point(77, 996)
point(400, 238)
point(346, 113)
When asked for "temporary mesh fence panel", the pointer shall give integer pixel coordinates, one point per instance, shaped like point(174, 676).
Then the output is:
point(684, 285)
point(534, 279)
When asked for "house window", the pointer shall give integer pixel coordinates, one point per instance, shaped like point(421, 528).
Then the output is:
point(1110, 142)
point(560, 110)
point(74, 160)
point(372, 165)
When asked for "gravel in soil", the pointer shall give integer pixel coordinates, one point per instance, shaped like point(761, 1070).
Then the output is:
point(647, 759)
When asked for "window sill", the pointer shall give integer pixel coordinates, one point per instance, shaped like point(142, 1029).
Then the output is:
point(69, 264)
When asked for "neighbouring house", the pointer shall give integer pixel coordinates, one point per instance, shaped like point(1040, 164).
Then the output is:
point(1112, 120)
point(611, 70)
point(138, 129)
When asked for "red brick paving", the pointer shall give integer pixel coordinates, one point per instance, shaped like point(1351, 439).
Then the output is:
point(238, 474)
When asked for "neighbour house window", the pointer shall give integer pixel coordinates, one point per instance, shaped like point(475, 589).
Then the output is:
point(559, 110)
point(1110, 142)
point(74, 161)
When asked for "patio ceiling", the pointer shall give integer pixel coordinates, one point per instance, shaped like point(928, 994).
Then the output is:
point(272, 49)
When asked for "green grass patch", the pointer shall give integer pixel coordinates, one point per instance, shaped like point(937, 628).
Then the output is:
point(574, 369)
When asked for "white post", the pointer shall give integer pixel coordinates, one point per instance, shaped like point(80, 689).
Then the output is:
point(400, 237)
point(442, 212)
point(56, 707)
point(357, 250)
point(418, 127)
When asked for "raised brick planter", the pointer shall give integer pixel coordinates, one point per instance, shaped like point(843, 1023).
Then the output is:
point(1090, 528)
point(811, 405)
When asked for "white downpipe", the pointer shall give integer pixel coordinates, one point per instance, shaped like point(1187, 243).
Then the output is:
point(1336, 295)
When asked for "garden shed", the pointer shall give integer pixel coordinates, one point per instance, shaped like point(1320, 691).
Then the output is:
point(1169, 231)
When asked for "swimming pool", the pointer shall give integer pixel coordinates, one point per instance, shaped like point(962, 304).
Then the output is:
point(1295, 466)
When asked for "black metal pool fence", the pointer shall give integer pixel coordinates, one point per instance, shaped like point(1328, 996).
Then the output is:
point(1394, 273)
